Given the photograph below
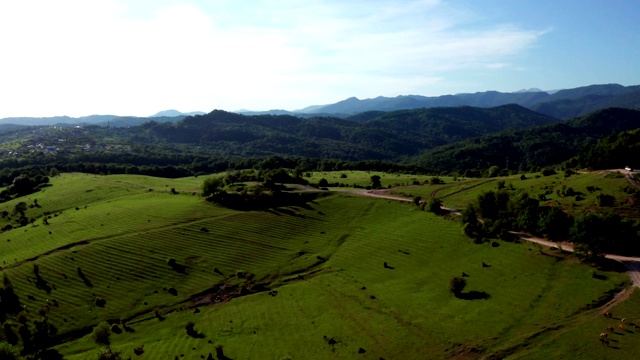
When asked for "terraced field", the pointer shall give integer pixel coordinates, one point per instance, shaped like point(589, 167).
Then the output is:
point(341, 277)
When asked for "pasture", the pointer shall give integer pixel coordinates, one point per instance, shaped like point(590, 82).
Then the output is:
point(342, 277)
point(363, 178)
point(577, 193)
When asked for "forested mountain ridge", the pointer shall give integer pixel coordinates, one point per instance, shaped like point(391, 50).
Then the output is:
point(537, 147)
point(383, 136)
point(437, 140)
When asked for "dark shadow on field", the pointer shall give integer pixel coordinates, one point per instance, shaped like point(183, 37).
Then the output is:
point(127, 328)
point(604, 264)
point(84, 278)
point(50, 354)
point(178, 268)
point(558, 258)
point(599, 276)
point(286, 211)
point(41, 284)
point(195, 334)
point(474, 295)
point(614, 347)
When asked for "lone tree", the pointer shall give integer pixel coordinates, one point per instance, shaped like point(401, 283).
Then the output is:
point(375, 182)
point(435, 206)
point(457, 285)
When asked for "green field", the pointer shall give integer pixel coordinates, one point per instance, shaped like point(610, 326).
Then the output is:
point(457, 194)
point(298, 282)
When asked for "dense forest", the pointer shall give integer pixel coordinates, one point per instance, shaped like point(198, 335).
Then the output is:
point(522, 150)
point(462, 140)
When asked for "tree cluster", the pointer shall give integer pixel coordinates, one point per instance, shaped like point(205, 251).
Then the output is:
point(502, 211)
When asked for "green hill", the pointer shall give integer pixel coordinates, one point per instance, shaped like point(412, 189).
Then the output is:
point(340, 277)
point(523, 149)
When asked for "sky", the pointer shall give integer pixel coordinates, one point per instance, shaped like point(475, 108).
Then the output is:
point(138, 57)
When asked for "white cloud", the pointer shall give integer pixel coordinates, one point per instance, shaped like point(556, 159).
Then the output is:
point(77, 57)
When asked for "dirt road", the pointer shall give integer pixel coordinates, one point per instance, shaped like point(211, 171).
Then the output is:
point(632, 263)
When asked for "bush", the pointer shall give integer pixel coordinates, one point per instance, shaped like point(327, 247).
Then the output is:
point(8, 352)
point(457, 285)
point(109, 354)
point(435, 206)
point(605, 200)
point(101, 334)
point(100, 302)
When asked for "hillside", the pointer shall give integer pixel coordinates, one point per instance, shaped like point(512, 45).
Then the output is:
point(343, 276)
point(522, 149)
point(386, 136)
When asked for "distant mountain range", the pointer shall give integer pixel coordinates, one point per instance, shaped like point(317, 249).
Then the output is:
point(560, 104)
point(103, 120)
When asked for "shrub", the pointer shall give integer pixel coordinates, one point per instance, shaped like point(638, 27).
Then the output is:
point(8, 352)
point(220, 351)
point(101, 334)
point(435, 206)
point(457, 285)
point(109, 354)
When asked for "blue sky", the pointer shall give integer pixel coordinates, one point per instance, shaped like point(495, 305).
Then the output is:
point(78, 57)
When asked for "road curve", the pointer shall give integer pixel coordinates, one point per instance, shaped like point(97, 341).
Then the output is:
point(632, 263)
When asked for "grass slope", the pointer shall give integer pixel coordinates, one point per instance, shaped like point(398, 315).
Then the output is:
point(325, 292)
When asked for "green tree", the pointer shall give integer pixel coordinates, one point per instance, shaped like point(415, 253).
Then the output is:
point(469, 215)
point(590, 231)
point(494, 171)
point(212, 186)
point(101, 334)
point(435, 206)
point(375, 182)
point(554, 223)
point(20, 208)
point(8, 352)
point(416, 200)
point(457, 285)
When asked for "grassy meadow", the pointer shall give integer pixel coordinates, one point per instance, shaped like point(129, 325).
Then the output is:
point(344, 276)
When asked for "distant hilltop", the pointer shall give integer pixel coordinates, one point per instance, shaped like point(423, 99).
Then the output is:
point(172, 113)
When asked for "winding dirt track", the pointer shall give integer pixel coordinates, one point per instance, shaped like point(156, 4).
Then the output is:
point(632, 263)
